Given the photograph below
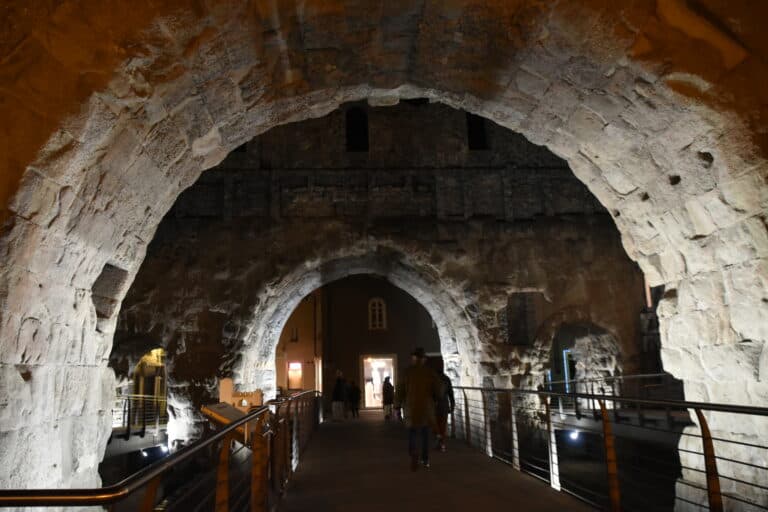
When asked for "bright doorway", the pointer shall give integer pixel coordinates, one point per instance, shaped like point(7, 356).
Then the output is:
point(374, 369)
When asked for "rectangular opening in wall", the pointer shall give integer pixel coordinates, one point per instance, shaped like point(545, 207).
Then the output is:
point(295, 376)
point(375, 369)
point(522, 317)
point(357, 130)
point(477, 138)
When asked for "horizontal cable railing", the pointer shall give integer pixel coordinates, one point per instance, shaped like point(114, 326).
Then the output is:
point(243, 466)
point(621, 452)
point(134, 413)
point(660, 386)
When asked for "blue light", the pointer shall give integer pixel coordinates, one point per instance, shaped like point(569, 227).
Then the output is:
point(574, 435)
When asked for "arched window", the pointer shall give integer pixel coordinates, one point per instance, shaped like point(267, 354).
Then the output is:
point(357, 130)
point(377, 314)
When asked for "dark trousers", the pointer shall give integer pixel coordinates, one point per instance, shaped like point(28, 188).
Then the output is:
point(416, 434)
point(442, 426)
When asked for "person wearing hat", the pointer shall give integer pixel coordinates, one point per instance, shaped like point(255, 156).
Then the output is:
point(417, 395)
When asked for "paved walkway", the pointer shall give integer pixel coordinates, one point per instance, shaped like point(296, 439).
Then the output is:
point(362, 466)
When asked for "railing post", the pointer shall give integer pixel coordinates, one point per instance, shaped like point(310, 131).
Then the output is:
point(614, 492)
point(554, 466)
point(487, 425)
point(258, 469)
point(296, 426)
point(148, 503)
point(467, 423)
point(513, 428)
point(576, 400)
point(222, 475)
point(130, 420)
point(710, 464)
point(288, 439)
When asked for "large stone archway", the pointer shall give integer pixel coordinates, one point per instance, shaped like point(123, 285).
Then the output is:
point(655, 108)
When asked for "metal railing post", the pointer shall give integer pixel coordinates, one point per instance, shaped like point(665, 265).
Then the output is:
point(148, 503)
point(288, 441)
point(710, 465)
point(614, 492)
point(487, 425)
point(258, 469)
point(467, 424)
point(130, 420)
point(222, 475)
point(554, 467)
point(513, 428)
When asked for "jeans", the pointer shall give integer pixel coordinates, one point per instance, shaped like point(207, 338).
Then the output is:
point(414, 433)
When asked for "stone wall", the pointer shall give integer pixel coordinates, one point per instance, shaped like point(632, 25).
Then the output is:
point(657, 106)
point(521, 222)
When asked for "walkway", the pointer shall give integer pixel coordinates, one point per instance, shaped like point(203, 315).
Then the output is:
point(362, 465)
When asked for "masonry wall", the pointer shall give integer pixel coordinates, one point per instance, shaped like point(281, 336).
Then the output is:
point(484, 224)
point(301, 341)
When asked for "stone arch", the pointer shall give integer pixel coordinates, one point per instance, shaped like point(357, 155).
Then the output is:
point(455, 329)
point(278, 300)
point(669, 149)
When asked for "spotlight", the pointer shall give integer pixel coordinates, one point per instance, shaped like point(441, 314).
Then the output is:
point(574, 435)
point(144, 454)
point(164, 448)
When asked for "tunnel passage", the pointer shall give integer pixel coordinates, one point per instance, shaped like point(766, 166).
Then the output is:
point(656, 107)
point(467, 233)
point(361, 327)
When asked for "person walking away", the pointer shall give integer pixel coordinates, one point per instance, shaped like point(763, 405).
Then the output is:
point(445, 404)
point(417, 395)
point(387, 397)
point(354, 399)
point(337, 397)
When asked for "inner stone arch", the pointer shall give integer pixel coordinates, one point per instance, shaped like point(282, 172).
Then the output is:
point(455, 330)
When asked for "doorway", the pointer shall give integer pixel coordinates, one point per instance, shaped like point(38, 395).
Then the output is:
point(374, 369)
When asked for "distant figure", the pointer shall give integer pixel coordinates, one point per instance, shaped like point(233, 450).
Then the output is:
point(420, 388)
point(338, 397)
point(387, 397)
point(354, 399)
point(347, 402)
point(445, 404)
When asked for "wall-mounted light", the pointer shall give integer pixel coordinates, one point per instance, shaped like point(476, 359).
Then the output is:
point(294, 366)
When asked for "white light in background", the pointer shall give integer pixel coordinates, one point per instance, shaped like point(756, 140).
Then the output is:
point(574, 435)
point(294, 366)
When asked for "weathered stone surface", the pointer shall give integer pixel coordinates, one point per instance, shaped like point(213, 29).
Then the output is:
point(143, 60)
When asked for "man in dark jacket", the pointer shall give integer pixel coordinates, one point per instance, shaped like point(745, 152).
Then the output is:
point(387, 397)
point(417, 395)
point(445, 405)
point(354, 399)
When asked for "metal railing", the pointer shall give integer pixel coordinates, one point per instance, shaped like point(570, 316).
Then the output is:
point(243, 466)
point(641, 454)
point(133, 414)
point(658, 386)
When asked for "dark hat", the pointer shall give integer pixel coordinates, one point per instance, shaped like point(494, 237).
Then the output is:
point(419, 352)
